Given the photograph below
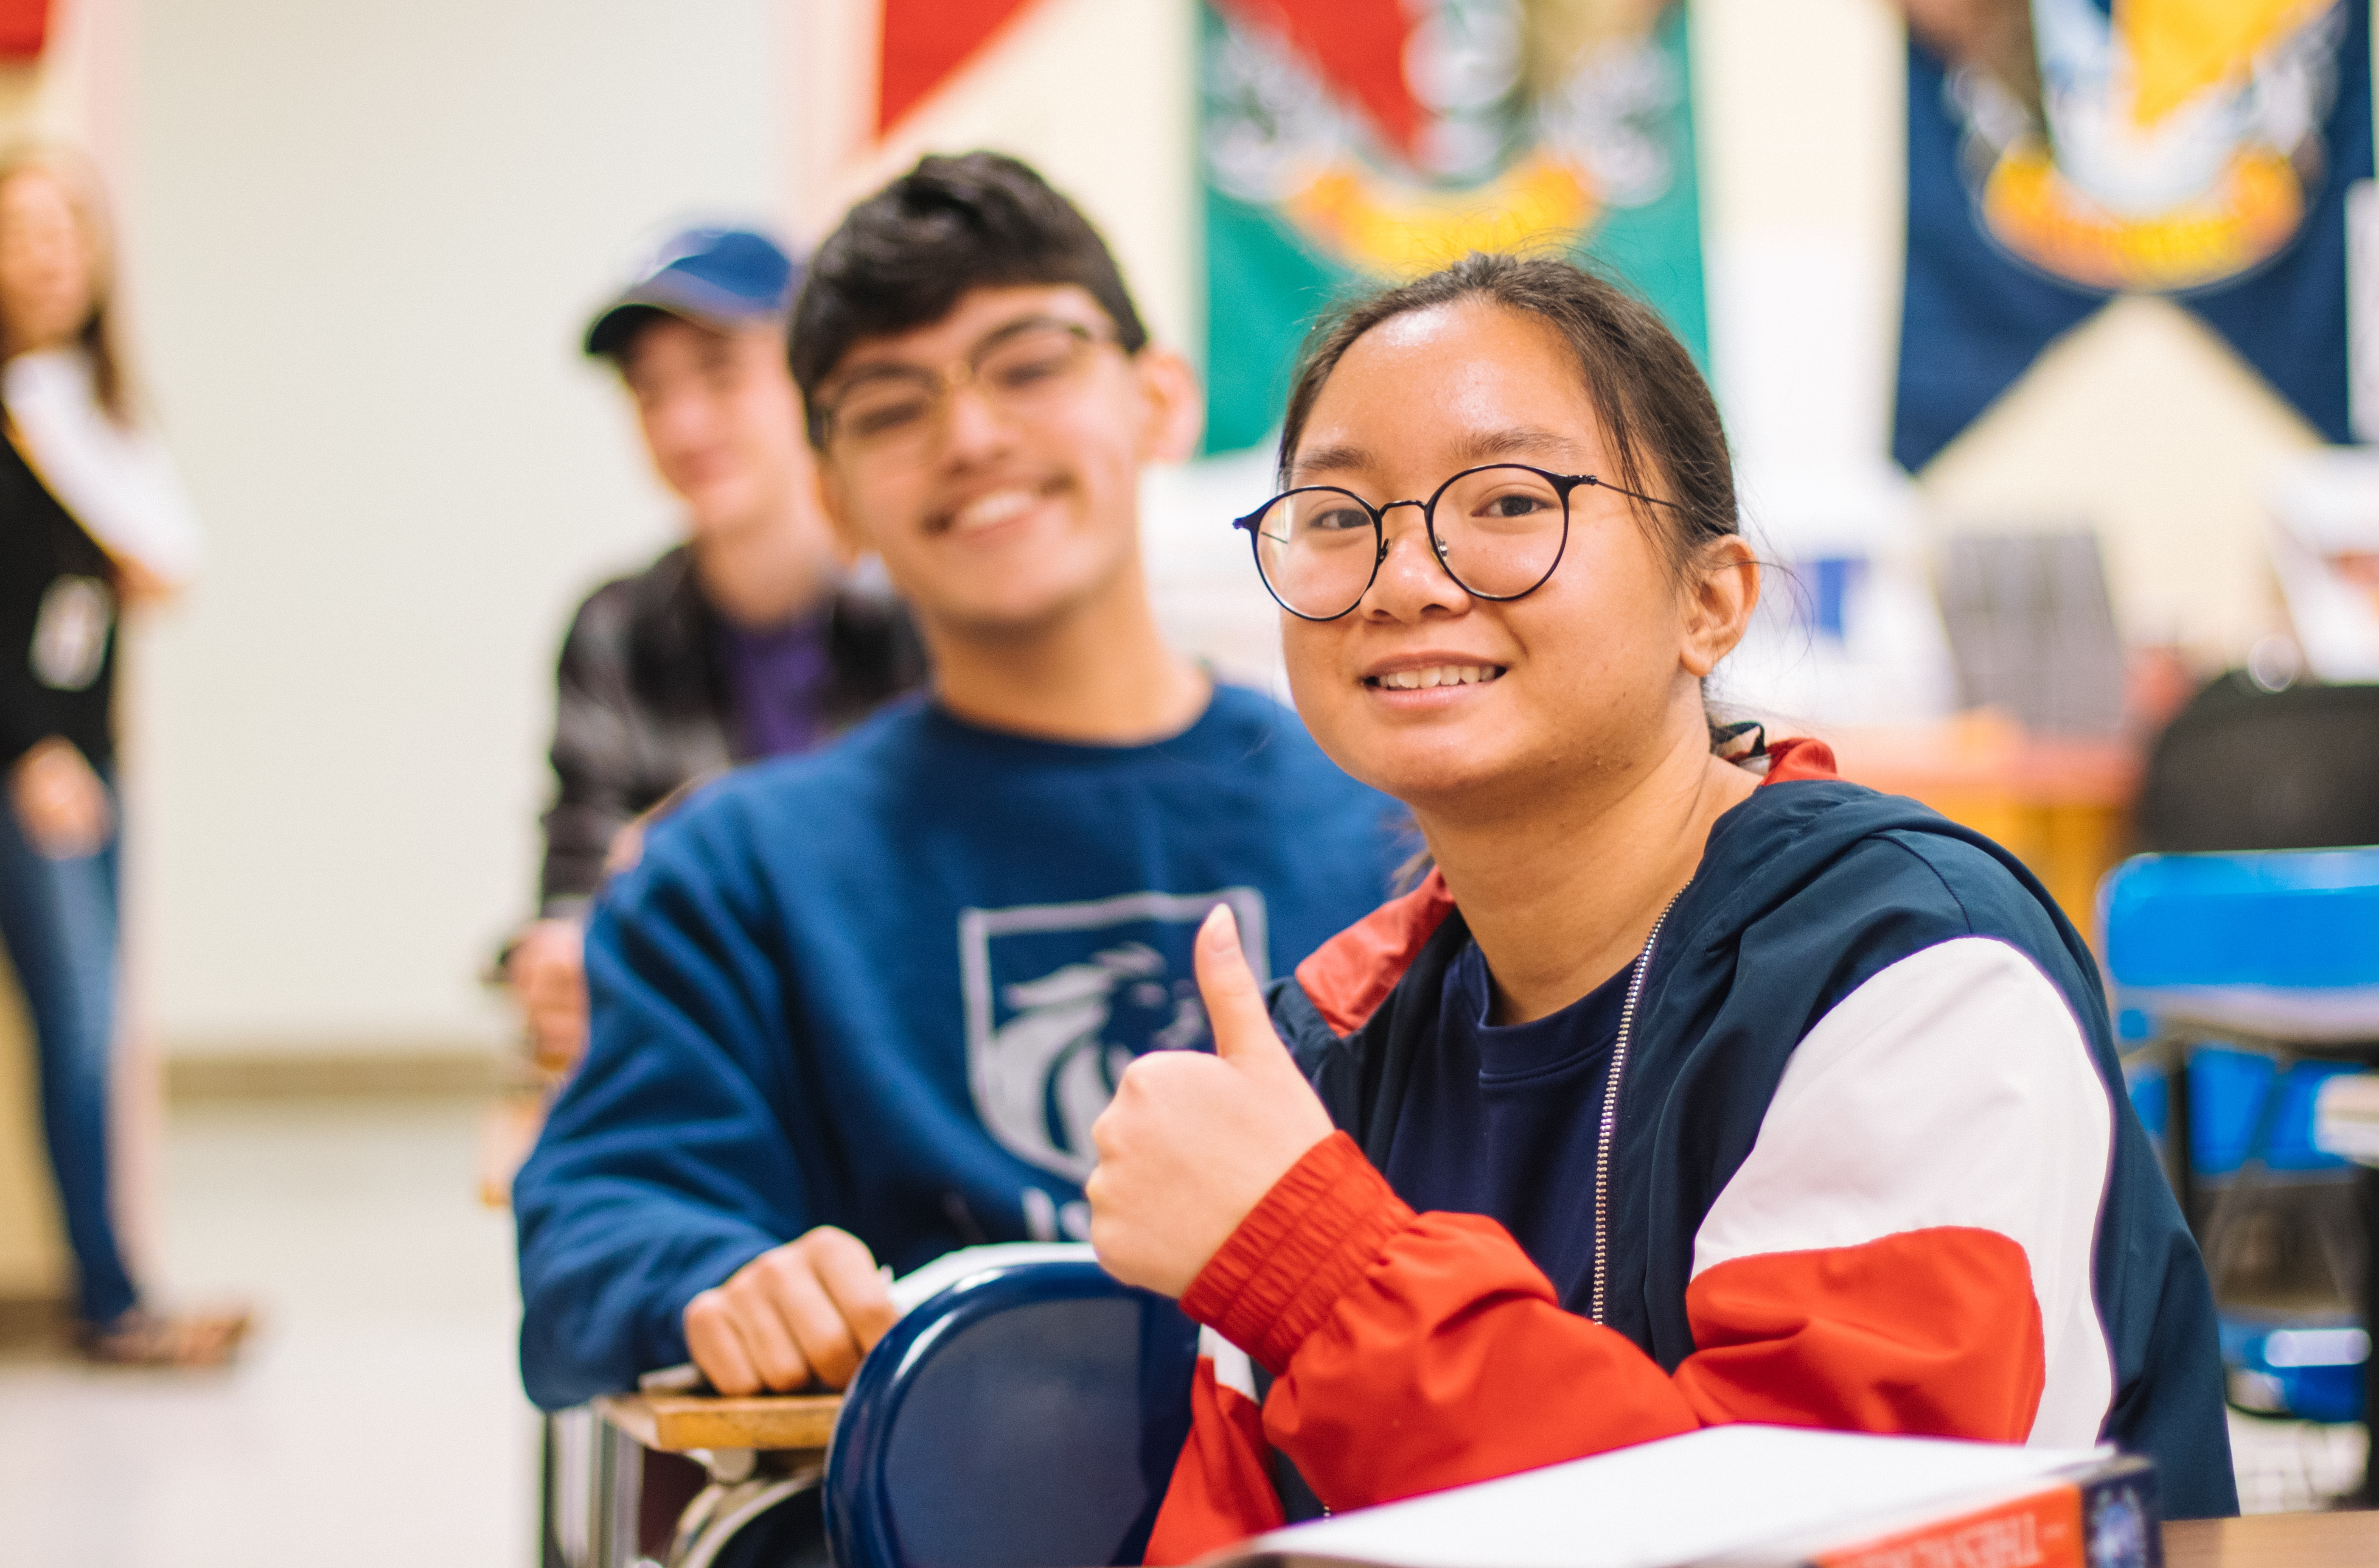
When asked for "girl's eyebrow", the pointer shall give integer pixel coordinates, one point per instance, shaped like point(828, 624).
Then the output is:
point(1340, 458)
point(1484, 446)
point(1488, 446)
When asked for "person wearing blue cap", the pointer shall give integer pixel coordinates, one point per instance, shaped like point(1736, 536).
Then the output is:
point(745, 641)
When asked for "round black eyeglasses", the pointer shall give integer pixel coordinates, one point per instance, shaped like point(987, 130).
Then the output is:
point(1498, 530)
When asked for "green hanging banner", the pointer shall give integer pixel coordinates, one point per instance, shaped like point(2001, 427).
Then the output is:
point(1346, 142)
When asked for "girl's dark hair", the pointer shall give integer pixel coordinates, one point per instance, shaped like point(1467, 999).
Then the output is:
point(80, 179)
point(904, 258)
point(1655, 409)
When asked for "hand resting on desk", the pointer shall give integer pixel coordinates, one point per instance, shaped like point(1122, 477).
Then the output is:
point(808, 1309)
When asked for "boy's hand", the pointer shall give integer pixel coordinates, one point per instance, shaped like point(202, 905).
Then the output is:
point(810, 1308)
point(547, 973)
point(1192, 1143)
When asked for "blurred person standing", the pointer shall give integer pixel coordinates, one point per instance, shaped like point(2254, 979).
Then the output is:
point(92, 521)
point(746, 641)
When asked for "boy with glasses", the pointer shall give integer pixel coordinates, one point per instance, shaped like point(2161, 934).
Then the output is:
point(862, 1008)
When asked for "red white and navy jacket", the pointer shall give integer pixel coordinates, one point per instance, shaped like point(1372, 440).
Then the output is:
point(1869, 1165)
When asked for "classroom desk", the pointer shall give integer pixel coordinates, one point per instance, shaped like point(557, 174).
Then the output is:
point(667, 1477)
point(2275, 1540)
point(681, 1423)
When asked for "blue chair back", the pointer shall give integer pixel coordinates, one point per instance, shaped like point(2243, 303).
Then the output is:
point(1027, 1416)
point(2275, 946)
point(2293, 918)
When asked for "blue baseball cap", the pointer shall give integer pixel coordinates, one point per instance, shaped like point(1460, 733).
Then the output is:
point(724, 279)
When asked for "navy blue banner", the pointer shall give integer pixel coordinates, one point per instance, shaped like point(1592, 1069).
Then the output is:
point(2010, 245)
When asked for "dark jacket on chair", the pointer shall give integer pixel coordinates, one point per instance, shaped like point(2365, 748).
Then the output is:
point(644, 707)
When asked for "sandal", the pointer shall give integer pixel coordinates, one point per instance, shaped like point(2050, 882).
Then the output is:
point(191, 1341)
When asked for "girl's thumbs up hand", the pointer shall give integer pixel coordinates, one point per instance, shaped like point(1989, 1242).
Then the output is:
point(1192, 1143)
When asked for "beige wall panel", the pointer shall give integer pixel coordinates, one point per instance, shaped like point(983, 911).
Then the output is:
point(2145, 423)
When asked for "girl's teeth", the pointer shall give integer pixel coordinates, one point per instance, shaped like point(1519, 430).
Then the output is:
point(1437, 675)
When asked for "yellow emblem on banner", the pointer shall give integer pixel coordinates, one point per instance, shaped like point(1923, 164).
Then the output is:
point(1401, 229)
point(2182, 48)
point(2251, 211)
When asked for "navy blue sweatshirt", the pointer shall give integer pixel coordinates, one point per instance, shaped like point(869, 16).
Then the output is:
point(887, 987)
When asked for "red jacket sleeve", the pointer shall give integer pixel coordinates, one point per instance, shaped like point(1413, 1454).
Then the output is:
point(1415, 1352)
point(1222, 1489)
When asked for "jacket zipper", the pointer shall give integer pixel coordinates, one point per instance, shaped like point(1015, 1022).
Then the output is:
point(1610, 1109)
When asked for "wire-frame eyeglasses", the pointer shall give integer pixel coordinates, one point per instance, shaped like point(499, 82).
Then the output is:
point(1019, 368)
point(1499, 530)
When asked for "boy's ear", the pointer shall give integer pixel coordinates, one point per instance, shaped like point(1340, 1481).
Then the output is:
point(1176, 408)
point(851, 540)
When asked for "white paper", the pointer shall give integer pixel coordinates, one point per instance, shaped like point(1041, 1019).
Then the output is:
point(1722, 1490)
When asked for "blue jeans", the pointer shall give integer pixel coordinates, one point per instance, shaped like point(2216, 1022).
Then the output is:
point(58, 920)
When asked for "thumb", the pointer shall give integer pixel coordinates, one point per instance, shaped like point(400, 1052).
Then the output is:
point(1235, 1004)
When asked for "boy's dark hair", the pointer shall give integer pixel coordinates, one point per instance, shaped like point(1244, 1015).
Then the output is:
point(904, 258)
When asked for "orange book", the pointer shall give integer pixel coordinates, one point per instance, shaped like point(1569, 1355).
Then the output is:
point(2104, 1516)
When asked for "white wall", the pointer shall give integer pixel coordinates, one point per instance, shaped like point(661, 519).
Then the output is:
point(365, 237)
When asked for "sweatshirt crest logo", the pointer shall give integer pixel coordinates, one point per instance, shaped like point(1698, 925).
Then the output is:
point(1060, 997)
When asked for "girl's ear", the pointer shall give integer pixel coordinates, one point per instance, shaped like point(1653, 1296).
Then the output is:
point(1722, 590)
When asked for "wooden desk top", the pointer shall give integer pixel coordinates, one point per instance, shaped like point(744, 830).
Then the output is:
point(673, 1423)
point(1987, 753)
point(2275, 1540)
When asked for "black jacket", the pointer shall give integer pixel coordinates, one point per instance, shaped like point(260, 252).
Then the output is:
point(643, 706)
point(57, 622)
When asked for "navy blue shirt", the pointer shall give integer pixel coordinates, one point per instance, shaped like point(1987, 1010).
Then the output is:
point(1502, 1121)
point(889, 985)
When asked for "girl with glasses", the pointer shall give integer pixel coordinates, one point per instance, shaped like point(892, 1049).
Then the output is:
point(1693, 1084)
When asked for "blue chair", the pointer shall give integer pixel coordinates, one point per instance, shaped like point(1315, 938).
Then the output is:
point(2247, 980)
point(1027, 1416)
